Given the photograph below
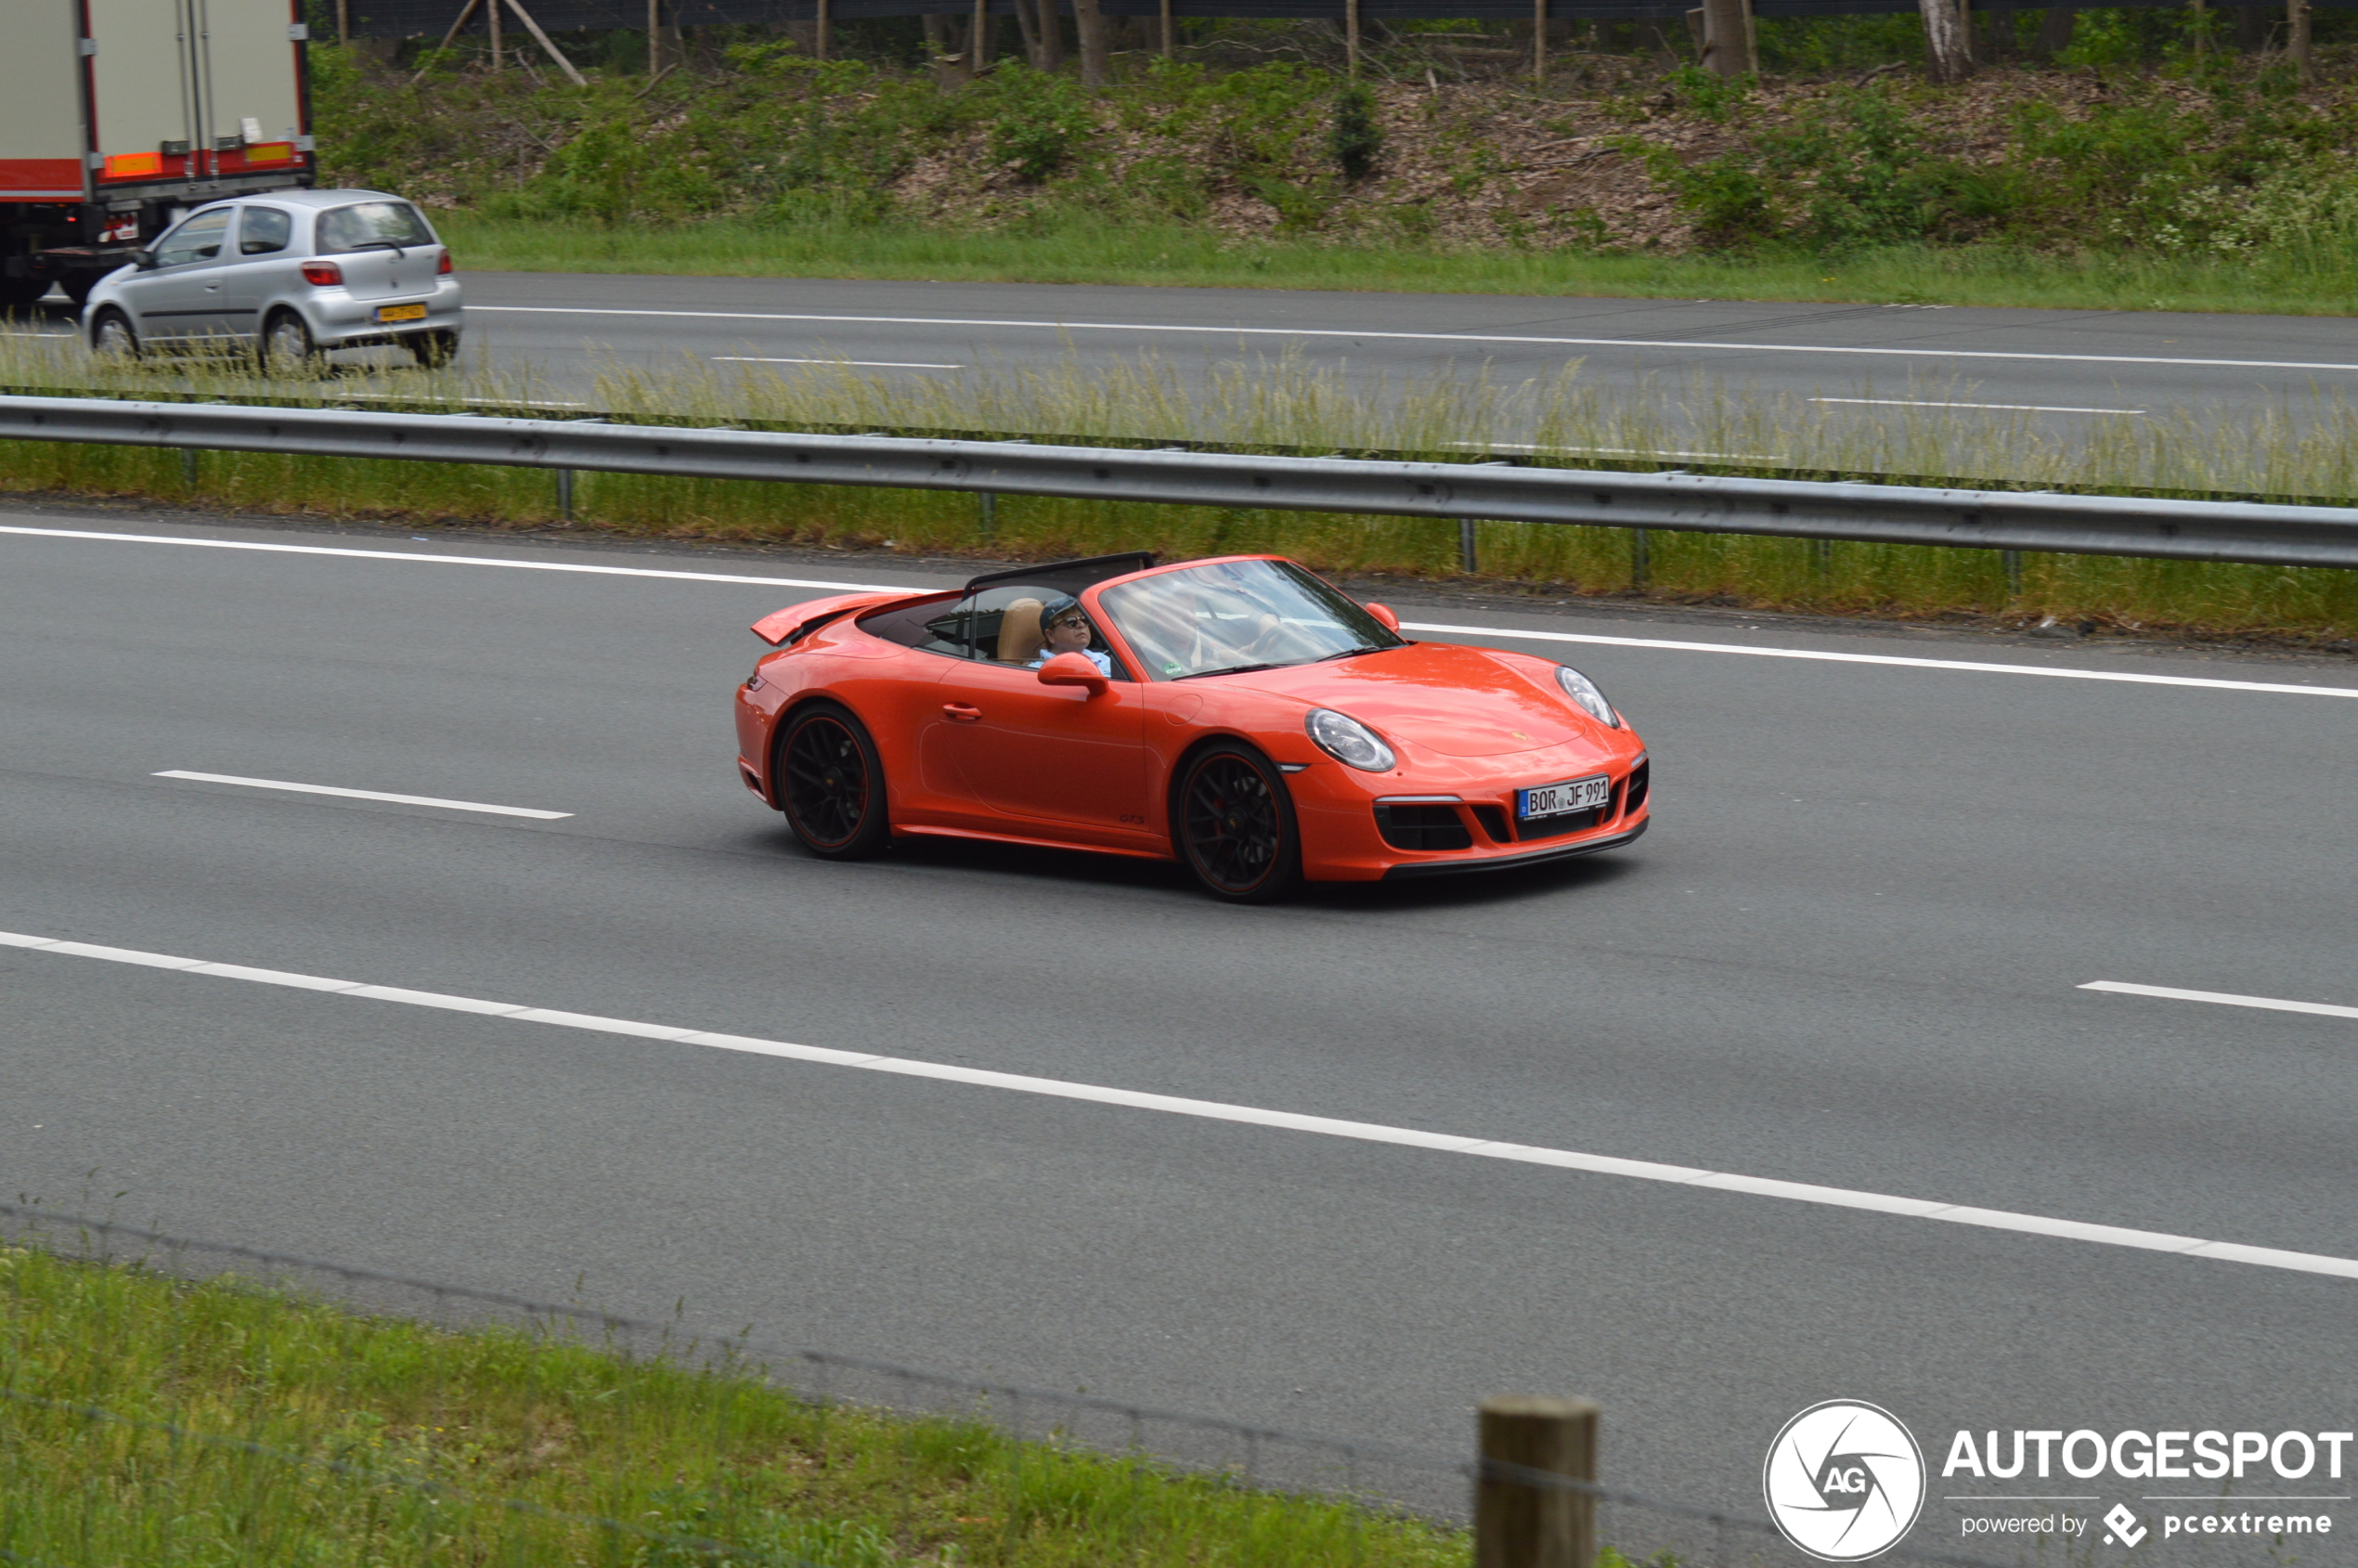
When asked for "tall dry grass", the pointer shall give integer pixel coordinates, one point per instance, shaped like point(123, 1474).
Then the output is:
point(2305, 450)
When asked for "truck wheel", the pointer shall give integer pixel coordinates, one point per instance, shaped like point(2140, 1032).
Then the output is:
point(432, 350)
point(113, 339)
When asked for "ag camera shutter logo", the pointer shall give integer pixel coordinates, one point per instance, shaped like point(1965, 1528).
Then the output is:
point(1844, 1481)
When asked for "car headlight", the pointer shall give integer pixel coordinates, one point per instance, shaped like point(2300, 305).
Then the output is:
point(1349, 741)
point(1582, 689)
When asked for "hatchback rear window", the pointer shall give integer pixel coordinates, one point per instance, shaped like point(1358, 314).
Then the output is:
point(263, 230)
point(372, 225)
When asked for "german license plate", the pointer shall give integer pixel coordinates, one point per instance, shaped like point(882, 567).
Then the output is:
point(401, 313)
point(1560, 800)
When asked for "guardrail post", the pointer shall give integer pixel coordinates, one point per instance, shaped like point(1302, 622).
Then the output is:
point(1640, 560)
point(1517, 1525)
point(1469, 558)
point(564, 493)
point(986, 503)
point(188, 466)
point(2013, 558)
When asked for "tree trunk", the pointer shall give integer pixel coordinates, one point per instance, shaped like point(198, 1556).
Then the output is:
point(2251, 29)
point(1095, 56)
point(2296, 37)
point(1726, 41)
point(2054, 34)
point(1049, 15)
point(1947, 52)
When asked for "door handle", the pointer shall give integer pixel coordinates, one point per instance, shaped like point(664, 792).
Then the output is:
point(961, 713)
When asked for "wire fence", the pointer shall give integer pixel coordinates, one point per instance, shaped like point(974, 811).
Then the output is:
point(166, 1470)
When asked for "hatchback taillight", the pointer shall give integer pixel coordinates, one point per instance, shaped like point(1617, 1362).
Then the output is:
point(443, 268)
point(322, 274)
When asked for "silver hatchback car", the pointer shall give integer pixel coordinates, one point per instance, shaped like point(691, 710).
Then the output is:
point(287, 276)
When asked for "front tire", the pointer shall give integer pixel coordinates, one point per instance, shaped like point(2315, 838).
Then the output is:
point(111, 338)
point(1236, 825)
point(831, 784)
point(287, 348)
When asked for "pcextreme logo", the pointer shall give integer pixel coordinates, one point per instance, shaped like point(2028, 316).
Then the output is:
point(1844, 1481)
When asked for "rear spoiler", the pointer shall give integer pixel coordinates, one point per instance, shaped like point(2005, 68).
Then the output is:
point(784, 628)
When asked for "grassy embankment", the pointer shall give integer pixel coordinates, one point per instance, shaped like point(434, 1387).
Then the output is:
point(151, 1421)
point(2137, 171)
point(2302, 453)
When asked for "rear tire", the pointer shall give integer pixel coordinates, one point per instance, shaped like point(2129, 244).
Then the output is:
point(831, 784)
point(1234, 825)
point(111, 338)
point(286, 348)
point(432, 350)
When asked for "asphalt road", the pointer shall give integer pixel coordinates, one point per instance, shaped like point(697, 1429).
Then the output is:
point(1849, 954)
point(2075, 371)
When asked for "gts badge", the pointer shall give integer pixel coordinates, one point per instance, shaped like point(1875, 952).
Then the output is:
point(1130, 821)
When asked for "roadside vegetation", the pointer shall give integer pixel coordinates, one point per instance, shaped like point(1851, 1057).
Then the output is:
point(2305, 453)
point(2141, 161)
point(148, 1420)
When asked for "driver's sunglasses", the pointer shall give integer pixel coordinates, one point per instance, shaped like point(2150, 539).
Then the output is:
point(1073, 621)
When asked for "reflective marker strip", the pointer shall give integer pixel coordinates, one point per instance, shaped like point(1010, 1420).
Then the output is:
point(1970, 667)
point(404, 557)
point(2225, 998)
point(1215, 1111)
point(366, 794)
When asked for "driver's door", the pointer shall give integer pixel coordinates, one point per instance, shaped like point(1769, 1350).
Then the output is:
point(1045, 754)
point(180, 296)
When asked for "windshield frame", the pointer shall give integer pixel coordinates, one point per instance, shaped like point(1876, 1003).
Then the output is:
point(1117, 603)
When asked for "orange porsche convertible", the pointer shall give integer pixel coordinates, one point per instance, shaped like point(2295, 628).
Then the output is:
point(1240, 714)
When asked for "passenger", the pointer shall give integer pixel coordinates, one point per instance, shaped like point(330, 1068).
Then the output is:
point(1069, 632)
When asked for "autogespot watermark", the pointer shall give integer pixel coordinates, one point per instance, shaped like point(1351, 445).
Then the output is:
point(1846, 1482)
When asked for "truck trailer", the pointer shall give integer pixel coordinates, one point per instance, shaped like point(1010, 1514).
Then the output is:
point(117, 116)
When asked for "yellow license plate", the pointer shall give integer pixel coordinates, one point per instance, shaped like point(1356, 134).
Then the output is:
point(401, 313)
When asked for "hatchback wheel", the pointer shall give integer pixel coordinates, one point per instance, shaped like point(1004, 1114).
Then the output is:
point(287, 348)
point(1236, 825)
point(831, 784)
point(111, 338)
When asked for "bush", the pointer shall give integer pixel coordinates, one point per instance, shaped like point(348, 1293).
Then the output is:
point(1037, 120)
point(1357, 139)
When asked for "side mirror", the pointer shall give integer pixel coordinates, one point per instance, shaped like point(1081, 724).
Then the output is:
point(144, 260)
point(1073, 669)
point(1384, 612)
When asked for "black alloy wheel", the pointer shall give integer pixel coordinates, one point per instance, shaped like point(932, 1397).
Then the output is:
point(831, 784)
point(1237, 826)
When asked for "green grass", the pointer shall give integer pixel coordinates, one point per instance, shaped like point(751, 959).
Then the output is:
point(150, 1421)
point(2305, 451)
point(2320, 280)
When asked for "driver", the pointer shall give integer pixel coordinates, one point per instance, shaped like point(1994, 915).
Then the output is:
point(1068, 631)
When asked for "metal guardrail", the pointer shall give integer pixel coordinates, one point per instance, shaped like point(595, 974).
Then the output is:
point(1467, 492)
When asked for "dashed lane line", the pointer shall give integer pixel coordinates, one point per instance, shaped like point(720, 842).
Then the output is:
point(2223, 998)
point(364, 795)
point(1255, 1116)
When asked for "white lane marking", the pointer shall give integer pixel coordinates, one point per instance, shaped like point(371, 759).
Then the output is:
point(366, 794)
point(420, 558)
point(1255, 1116)
point(2225, 998)
point(495, 402)
point(1420, 337)
point(857, 364)
point(2016, 408)
point(1971, 667)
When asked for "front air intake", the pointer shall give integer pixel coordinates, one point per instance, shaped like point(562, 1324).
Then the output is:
point(1422, 827)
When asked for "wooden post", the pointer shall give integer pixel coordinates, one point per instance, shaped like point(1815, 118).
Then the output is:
point(494, 35)
point(654, 39)
point(534, 28)
point(2296, 14)
point(1168, 28)
point(1520, 1526)
point(975, 59)
point(1351, 36)
point(822, 29)
point(343, 21)
point(1539, 43)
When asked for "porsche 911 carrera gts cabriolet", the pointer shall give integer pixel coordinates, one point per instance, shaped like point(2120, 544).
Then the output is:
point(1240, 715)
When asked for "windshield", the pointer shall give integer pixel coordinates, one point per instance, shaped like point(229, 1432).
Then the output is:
point(1229, 615)
point(373, 224)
